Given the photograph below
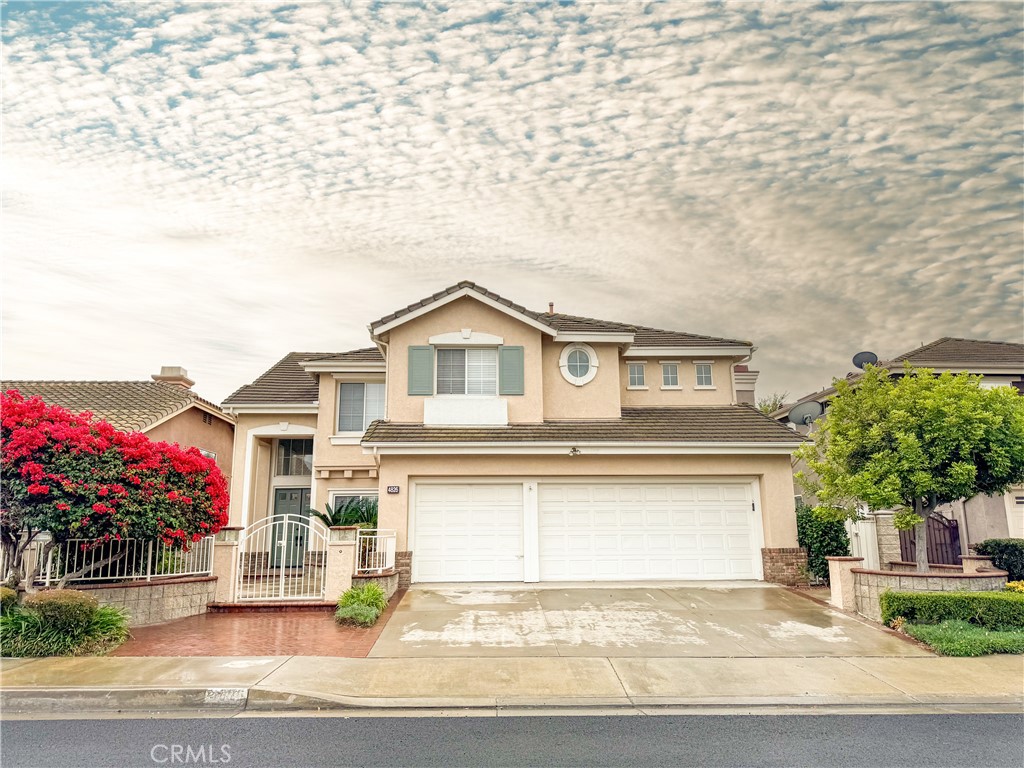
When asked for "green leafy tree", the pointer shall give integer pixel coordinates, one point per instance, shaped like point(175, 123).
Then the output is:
point(911, 443)
point(769, 404)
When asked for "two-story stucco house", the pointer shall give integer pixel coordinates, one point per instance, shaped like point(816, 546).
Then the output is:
point(506, 444)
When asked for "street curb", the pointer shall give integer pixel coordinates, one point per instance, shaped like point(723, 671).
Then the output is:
point(147, 701)
point(82, 700)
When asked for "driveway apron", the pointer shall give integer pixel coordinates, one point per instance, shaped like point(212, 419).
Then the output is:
point(729, 619)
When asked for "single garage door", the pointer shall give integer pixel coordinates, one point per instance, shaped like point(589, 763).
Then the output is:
point(468, 532)
point(591, 532)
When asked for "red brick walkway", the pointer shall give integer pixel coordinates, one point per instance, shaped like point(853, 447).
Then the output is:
point(295, 633)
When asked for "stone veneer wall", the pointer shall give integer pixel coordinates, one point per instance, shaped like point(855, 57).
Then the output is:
point(153, 602)
point(869, 585)
point(403, 564)
point(785, 565)
point(888, 540)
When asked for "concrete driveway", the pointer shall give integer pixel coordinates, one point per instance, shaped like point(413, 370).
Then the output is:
point(718, 619)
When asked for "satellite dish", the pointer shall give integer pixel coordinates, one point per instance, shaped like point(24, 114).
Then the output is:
point(864, 358)
point(805, 413)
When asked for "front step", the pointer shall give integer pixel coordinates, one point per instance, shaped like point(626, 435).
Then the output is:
point(268, 606)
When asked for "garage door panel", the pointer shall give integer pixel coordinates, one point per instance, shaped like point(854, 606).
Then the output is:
point(646, 531)
point(468, 532)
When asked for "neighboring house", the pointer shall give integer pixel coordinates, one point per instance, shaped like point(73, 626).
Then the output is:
point(1000, 363)
point(164, 409)
point(507, 444)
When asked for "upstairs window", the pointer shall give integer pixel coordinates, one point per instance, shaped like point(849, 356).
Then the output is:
point(358, 405)
point(467, 371)
point(294, 457)
point(578, 364)
point(704, 375)
point(670, 375)
point(636, 376)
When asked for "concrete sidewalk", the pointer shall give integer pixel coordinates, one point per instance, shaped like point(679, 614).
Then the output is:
point(71, 686)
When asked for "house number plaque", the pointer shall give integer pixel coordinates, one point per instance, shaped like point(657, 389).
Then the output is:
point(393, 489)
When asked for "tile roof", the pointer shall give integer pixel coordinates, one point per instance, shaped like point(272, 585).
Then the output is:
point(127, 405)
point(967, 352)
point(972, 354)
point(644, 336)
point(725, 424)
point(285, 382)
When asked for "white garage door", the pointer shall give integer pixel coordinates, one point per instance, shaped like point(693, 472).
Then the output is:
point(647, 531)
point(468, 532)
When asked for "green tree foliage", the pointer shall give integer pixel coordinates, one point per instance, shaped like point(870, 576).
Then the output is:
point(821, 537)
point(769, 404)
point(912, 442)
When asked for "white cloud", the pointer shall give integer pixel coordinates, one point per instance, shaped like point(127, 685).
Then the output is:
point(818, 179)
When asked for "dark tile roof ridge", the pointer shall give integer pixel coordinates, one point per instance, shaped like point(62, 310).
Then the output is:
point(291, 356)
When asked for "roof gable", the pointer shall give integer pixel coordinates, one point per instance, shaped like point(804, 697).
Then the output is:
point(458, 291)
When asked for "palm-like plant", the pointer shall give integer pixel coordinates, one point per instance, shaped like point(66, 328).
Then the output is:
point(354, 510)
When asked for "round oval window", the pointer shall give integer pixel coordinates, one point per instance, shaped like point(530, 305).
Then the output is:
point(579, 363)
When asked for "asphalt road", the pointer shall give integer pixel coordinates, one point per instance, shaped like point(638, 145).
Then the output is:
point(763, 740)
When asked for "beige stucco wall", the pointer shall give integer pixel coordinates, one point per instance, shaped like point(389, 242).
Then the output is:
point(324, 453)
point(452, 318)
point(598, 399)
point(187, 428)
point(773, 473)
point(260, 474)
point(654, 395)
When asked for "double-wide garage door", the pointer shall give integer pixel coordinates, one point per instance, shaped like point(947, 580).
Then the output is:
point(585, 531)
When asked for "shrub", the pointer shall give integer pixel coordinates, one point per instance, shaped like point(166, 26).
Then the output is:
point(822, 538)
point(1015, 586)
point(24, 632)
point(1007, 555)
point(958, 638)
point(8, 599)
point(357, 613)
point(368, 594)
point(992, 610)
point(63, 610)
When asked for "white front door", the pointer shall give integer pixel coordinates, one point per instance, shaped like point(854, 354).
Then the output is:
point(629, 531)
point(468, 532)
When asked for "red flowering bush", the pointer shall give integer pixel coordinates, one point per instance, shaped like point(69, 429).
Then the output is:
point(79, 478)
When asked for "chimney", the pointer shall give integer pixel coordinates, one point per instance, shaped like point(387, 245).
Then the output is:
point(174, 374)
point(551, 307)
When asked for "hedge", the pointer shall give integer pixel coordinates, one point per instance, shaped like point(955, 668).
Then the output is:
point(821, 538)
point(1007, 555)
point(992, 610)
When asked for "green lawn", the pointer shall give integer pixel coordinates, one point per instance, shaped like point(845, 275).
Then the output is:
point(958, 638)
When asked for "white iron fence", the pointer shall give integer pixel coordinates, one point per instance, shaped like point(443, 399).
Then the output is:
point(375, 550)
point(283, 557)
point(77, 560)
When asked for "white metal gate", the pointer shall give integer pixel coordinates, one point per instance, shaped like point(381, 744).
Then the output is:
point(283, 557)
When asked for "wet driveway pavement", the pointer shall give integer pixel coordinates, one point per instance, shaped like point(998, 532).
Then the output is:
point(726, 619)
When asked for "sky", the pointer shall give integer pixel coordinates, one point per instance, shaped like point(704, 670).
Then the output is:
point(215, 185)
